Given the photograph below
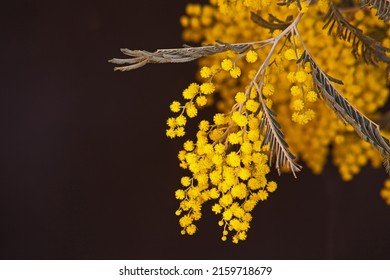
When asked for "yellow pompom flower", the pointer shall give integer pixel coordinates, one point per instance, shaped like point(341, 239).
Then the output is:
point(171, 122)
point(253, 184)
point(191, 91)
point(227, 215)
point(298, 105)
point(249, 205)
point(180, 132)
point(262, 195)
point(235, 72)
point(219, 119)
point(216, 208)
point(291, 77)
point(295, 91)
point(301, 76)
point(302, 118)
point(205, 72)
point(215, 134)
point(219, 148)
point(185, 221)
point(207, 88)
point(170, 133)
point(214, 194)
point(252, 105)
point(246, 148)
point(240, 97)
point(215, 177)
point(204, 125)
point(251, 56)
point(201, 101)
point(254, 135)
point(253, 93)
point(268, 90)
point(191, 229)
point(188, 145)
point(227, 64)
point(233, 159)
point(272, 186)
point(226, 200)
point(290, 54)
point(311, 96)
point(215, 69)
point(175, 106)
point(185, 181)
point(242, 235)
point(217, 159)
point(178, 212)
point(181, 120)
point(234, 138)
point(239, 119)
point(244, 174)
point(180, 194)
point(253, 123)
point(191, 110)
point(239, 191)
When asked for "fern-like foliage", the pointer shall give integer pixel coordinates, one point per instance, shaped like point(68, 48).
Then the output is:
point(141, 58)
point(371, 50)
point(382, 7)
point(384, 121)
point(273, 23)
point(365, 128)
point(273, 136)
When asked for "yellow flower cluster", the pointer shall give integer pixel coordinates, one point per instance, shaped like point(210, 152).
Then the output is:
point(196, 94)
point(227, 167)
point(228, 65)
point(350, 154)
point(302, 92)
point(385, 192)
point(229, 162)
point(311, 142)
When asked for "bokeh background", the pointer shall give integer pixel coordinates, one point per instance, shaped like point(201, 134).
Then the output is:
point(87, 172)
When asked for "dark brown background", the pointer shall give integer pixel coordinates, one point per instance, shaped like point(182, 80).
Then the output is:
point(87, 173)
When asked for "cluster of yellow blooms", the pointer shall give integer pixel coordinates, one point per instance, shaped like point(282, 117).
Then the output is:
point(385, 192)
point(353, 156)
point(229, 160)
